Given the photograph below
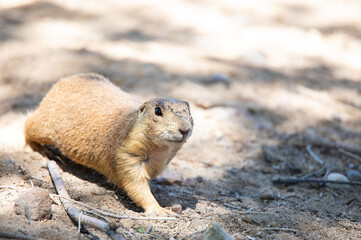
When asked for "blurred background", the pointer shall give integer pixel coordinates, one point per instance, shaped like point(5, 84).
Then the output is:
point(253, 72)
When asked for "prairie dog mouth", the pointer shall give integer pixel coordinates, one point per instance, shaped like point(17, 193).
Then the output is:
point(176, 141)
point(175, 138)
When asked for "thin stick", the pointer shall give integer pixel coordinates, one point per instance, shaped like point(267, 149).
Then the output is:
point(31, 182)
point(315, 173)
point(313, 154)
point(279, 229)
point(35, 177)
point(79, 221)
point(11, 187)
point(111, 214)
point(72, 211)
point(5, 234)
point(255, 212)
point(232, 206)
point(23, 170)
point(96, 214)
point(244, 212)
point(311, 180)
point(354, 156)
point(330, 144)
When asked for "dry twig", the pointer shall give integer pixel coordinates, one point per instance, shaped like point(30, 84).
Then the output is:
point(311, 180)
point(232, 206)
point(311, 174)
point(31, 182)
point(72, 211)
point(38, 178)
point(23, 171)
point(280, 229)
point(11, 187)
point(79, 221)
point(255, 212)
point(313, 154)
point(109, 214)
point(354, 156)
point(240, 210)
point(96, 214)
point(5, 234)
point(330, 144)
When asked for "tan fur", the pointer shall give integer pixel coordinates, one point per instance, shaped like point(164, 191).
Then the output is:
point(94, 123)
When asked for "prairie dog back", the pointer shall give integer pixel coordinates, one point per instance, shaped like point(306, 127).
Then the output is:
point(74, 111)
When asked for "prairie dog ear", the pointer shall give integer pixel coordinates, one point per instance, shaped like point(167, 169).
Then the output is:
point(141, 109)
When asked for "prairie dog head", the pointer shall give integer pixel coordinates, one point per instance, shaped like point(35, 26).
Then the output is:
point(166, 120)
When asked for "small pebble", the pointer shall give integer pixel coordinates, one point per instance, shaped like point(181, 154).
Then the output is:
point(177, 208)
point(337, 177)
point(214, 232)
point(213, 204)
point(353, 175)
point(266, 194)
point(35, 204)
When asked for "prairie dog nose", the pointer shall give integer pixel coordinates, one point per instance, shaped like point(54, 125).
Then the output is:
point(184, 131)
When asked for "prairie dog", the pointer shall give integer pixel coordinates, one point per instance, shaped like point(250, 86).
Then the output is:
point(94, 123)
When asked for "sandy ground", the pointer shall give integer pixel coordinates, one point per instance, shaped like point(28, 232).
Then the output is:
point(255, 73)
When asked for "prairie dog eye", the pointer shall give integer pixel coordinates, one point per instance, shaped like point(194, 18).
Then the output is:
point(158, 111)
